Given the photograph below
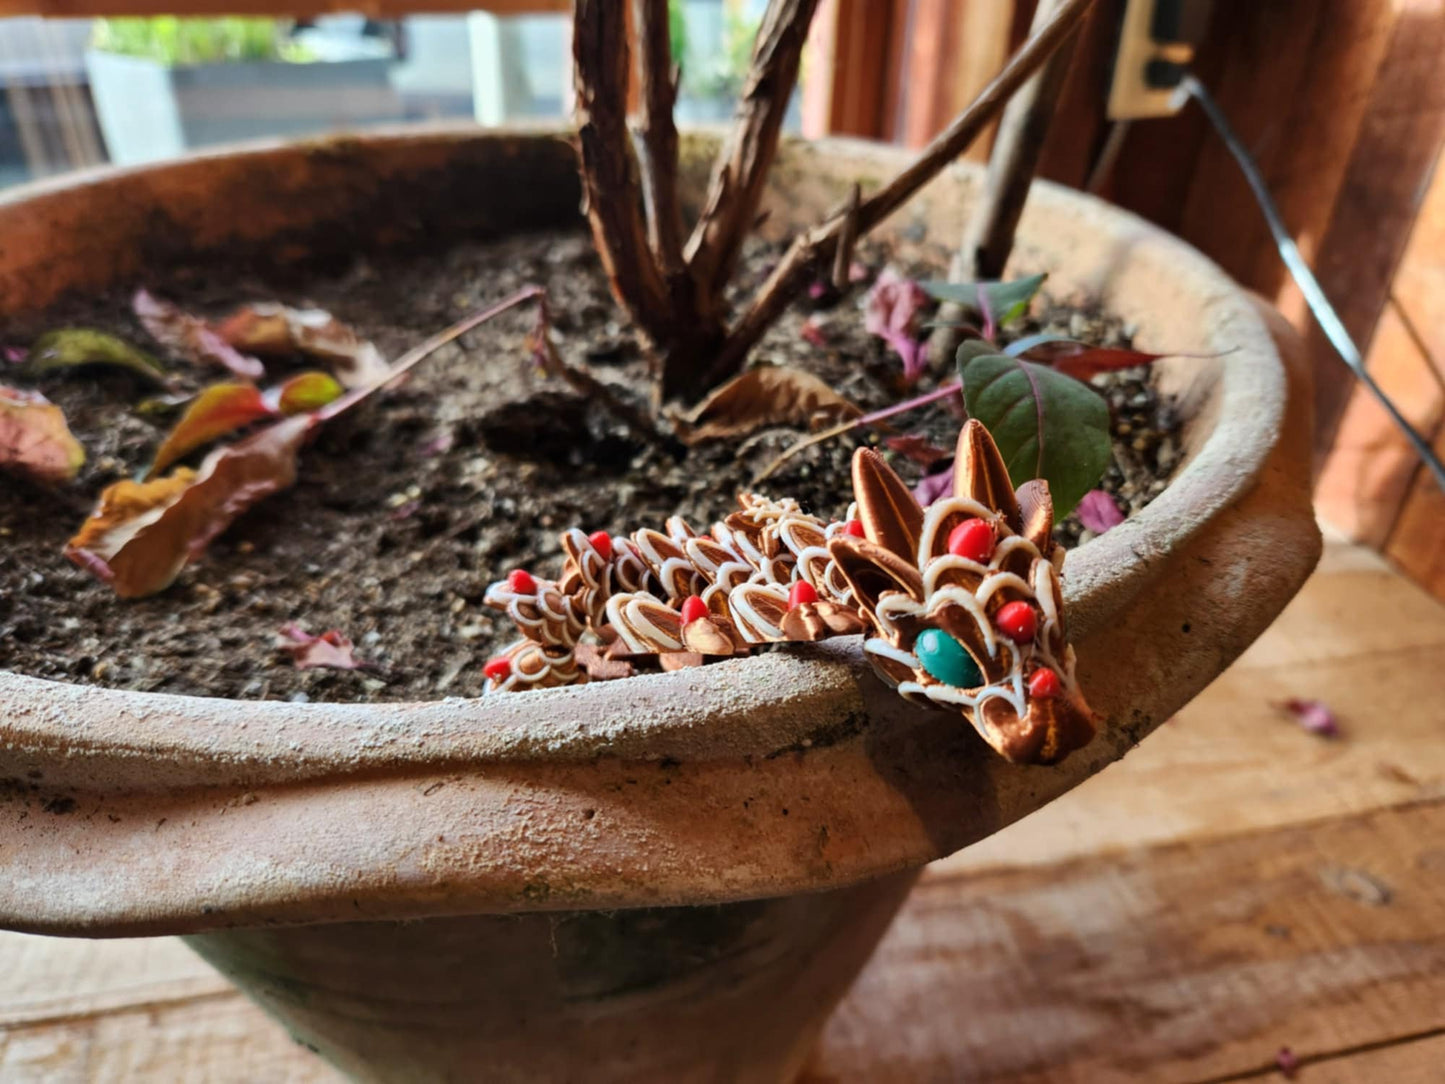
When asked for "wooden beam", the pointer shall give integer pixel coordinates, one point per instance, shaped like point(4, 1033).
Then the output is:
point(845, 91)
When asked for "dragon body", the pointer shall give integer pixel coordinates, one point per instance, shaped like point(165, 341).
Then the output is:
point(960, 604)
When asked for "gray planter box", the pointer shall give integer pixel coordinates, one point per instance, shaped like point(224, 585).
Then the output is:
point(149, 111)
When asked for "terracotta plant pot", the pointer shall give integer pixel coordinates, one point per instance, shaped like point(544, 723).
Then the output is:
point(673, 877)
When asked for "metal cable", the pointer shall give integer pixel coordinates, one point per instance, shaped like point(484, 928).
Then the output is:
point(1289, 252)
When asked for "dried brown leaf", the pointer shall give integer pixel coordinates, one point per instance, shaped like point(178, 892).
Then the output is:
point(191, 337)
point(764, 396)
point(34, 439)
point(142, 534)
point(271, 329)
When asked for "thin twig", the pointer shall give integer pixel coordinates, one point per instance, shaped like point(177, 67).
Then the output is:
point(424, 350)
point(795, 271)
point(742, 167)
point(874, 418)
point(600, 53)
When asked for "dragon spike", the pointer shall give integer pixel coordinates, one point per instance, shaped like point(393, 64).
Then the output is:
point(1036, 509)
point(979, 473)
point(891, 517)
point(871, 570)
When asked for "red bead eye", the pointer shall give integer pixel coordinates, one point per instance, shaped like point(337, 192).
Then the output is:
point(498, 669)
point(1016, 620)
point(602, 543)
point(801, 594)
point(1045, 684)
point(520, 581)
point(973, 539)
point(693, 608)
point(854, 527)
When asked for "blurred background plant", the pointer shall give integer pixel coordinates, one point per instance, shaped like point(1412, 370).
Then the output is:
point(175, 41)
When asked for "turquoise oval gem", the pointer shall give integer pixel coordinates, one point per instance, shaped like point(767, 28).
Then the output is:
point(947, 659)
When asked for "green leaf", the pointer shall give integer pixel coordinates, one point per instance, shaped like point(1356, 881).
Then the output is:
point(1046, 425)
point(1004, 301)
point(72, 347)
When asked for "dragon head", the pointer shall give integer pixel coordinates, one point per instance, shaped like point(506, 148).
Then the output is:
point(965, 602)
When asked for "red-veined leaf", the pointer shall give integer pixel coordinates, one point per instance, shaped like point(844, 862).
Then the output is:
point(998, 303)
point(142, 534)
point(1046, 425)
point(1078, 360)
point(34, 439)
point(191, 337)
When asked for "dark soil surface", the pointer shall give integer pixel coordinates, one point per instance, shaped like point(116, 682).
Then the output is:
point(407, 509)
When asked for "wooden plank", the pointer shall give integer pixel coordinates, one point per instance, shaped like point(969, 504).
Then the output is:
point(220, 1039)
point(1410, 1062)
point(1189, 962)
point(49, 978)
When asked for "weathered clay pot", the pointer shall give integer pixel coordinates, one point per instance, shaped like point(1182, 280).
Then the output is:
point(668, 878)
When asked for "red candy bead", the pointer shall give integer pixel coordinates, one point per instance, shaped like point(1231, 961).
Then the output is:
point(498, 669)
point(602, 543)
point(1017, 621)
point(973, 539)
point(520, 581)
point(854, 527)
point(1045, 684)
point(801, 594)
point(693, 608)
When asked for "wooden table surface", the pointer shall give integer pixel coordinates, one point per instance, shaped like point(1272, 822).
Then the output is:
point(1234, 886)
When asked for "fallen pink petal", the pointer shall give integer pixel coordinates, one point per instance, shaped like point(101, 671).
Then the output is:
point(1287, 1062)
point(813, 333)
point(892, 311)
point(330, 651)
point(933, 486)
point(1098, 511)
point(1314, 716)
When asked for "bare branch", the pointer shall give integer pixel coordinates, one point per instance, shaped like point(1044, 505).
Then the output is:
point(843, 255)
point(742, 168)
point(658, 78)
point(599, 49)
point(988, 237)
point(813, 248)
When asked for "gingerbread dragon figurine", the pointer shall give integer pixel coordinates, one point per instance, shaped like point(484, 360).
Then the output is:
point(959, 603)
